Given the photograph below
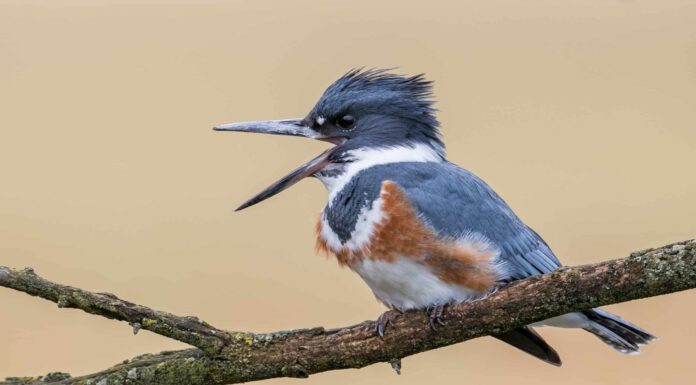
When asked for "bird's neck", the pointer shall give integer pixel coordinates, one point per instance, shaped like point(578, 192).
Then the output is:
point(337, 175)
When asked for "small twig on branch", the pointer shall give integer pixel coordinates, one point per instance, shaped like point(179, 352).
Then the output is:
point(242, 357)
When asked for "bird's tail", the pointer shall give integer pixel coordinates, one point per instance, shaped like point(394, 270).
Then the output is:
point(614, 331)
point(527, 340)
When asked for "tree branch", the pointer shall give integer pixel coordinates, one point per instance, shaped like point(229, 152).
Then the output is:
point(232, 357)
point(189, 330)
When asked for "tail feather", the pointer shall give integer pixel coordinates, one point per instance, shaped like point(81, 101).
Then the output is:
point(617, 332)
point(529, 341)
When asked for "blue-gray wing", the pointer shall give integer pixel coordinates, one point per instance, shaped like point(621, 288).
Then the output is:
point(455, 202)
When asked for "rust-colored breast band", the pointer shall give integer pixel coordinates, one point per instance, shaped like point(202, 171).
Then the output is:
point(401, 233)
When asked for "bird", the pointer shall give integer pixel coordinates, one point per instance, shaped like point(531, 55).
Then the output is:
point(422, 232)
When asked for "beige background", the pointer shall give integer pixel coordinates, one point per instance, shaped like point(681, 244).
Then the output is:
point(580, 113)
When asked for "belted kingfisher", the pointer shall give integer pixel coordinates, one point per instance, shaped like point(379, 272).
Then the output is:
point(422, 232)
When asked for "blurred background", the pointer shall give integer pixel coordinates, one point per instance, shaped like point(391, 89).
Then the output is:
point(579, 113)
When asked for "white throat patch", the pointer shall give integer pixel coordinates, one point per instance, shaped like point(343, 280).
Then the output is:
point(365, 158)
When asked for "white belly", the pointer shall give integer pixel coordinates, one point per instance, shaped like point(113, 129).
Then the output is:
point(405, 284)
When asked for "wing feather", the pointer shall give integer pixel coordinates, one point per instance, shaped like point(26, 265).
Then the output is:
point(455, 202)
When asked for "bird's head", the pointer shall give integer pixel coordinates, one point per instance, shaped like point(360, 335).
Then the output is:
point(364, 114)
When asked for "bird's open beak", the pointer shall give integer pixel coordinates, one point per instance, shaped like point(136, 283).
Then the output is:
point(292, 127)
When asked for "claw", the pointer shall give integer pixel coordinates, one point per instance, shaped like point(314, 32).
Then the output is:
point(385, 320)
point(435, 315)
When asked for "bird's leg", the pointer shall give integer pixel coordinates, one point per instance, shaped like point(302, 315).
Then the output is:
point(386, 319)
point(435, 314)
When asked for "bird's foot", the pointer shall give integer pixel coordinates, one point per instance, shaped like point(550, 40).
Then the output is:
point(385, 320)
point(435, 315)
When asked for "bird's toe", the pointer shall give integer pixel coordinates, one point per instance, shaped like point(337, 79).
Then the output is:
point(435, 316)
point(385, 320)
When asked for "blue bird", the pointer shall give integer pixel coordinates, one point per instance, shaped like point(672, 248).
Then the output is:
point(422, 232)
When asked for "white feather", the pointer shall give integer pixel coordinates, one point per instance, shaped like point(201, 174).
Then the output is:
point(365, 158)
point(570, 320)
point(406, 284)
point(368, 218)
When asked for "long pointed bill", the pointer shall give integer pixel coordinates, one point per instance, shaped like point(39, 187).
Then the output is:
point(293, 127)
point(293, 177)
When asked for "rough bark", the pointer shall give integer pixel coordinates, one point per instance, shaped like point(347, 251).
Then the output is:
point(231, 357)
point(190, 330)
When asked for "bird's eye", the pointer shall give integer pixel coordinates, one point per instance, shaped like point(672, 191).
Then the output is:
point(346, 122)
